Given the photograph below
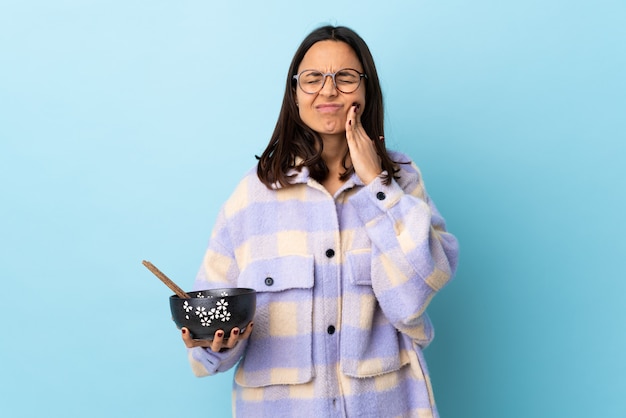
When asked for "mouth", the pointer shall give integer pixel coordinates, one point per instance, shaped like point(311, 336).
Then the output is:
point(328, 108)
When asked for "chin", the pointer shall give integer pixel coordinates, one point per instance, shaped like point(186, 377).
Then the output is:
point(333, 128)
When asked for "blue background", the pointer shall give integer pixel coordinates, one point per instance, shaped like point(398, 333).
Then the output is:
point(124, 125)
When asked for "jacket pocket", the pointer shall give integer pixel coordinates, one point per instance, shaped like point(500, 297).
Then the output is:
point(279, 349)
point(370, 344)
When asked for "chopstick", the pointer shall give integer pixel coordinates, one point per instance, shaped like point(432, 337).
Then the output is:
point(179, 292)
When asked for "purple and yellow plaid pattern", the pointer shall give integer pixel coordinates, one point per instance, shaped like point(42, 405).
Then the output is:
point(343, 284)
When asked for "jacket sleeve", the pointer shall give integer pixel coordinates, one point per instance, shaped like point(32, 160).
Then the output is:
point(218, 269)
point(413, 256)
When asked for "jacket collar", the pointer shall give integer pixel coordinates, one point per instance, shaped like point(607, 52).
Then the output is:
point(303, 177)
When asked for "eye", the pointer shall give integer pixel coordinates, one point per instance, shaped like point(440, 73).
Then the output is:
point(311, 77)
point(347, 77)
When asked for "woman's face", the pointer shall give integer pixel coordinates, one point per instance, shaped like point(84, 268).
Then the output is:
point(326, 111)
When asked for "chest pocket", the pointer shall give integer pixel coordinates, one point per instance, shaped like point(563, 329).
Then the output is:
point(279, 351)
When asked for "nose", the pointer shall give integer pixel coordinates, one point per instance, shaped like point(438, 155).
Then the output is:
point(328, 88)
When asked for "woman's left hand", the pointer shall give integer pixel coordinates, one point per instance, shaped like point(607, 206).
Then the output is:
point(365, 160)
point(219, 341)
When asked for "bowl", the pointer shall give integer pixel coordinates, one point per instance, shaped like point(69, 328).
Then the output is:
point(207, 311)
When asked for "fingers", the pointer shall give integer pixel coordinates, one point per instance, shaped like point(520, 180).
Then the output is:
point(353, 124)
point(219, 340)
point(356, 114)
point(215, 344)
point(190, 342)
point(365, 158)
point(232, 339)
point(353, 119)
point(236, 335)
point(248, 331)
point(186, 337)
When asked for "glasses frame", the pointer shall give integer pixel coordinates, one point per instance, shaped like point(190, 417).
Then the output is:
point(332, 76)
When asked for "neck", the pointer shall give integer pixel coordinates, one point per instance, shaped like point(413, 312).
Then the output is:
point(335, 147)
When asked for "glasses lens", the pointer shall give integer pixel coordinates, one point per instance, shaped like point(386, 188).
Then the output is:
point(348, 80)
point(311, 81)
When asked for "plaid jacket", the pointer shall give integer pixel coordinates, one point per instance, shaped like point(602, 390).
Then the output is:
point(342, 286)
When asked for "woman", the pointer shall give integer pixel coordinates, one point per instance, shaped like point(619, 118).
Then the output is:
point(343, 246)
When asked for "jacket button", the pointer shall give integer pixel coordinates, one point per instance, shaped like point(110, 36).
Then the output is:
point(330, 253)
point(380, 196)
point(331, 329)
point(269, 281)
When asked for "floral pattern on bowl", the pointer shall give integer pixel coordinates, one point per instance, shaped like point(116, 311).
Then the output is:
point(207, 311)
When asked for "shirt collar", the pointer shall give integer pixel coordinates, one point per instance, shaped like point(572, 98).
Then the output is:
point(303, 177)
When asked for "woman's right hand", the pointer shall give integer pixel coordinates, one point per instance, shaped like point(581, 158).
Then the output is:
point(218, 342)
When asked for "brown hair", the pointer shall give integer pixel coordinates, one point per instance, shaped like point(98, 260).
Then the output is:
point(292, 138)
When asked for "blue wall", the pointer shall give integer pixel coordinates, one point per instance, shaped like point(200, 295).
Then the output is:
point(125, 124)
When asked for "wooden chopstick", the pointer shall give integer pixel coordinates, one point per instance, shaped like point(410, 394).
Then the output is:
point(179, 292)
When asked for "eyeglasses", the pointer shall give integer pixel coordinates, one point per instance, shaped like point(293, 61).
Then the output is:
point(346, 80)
